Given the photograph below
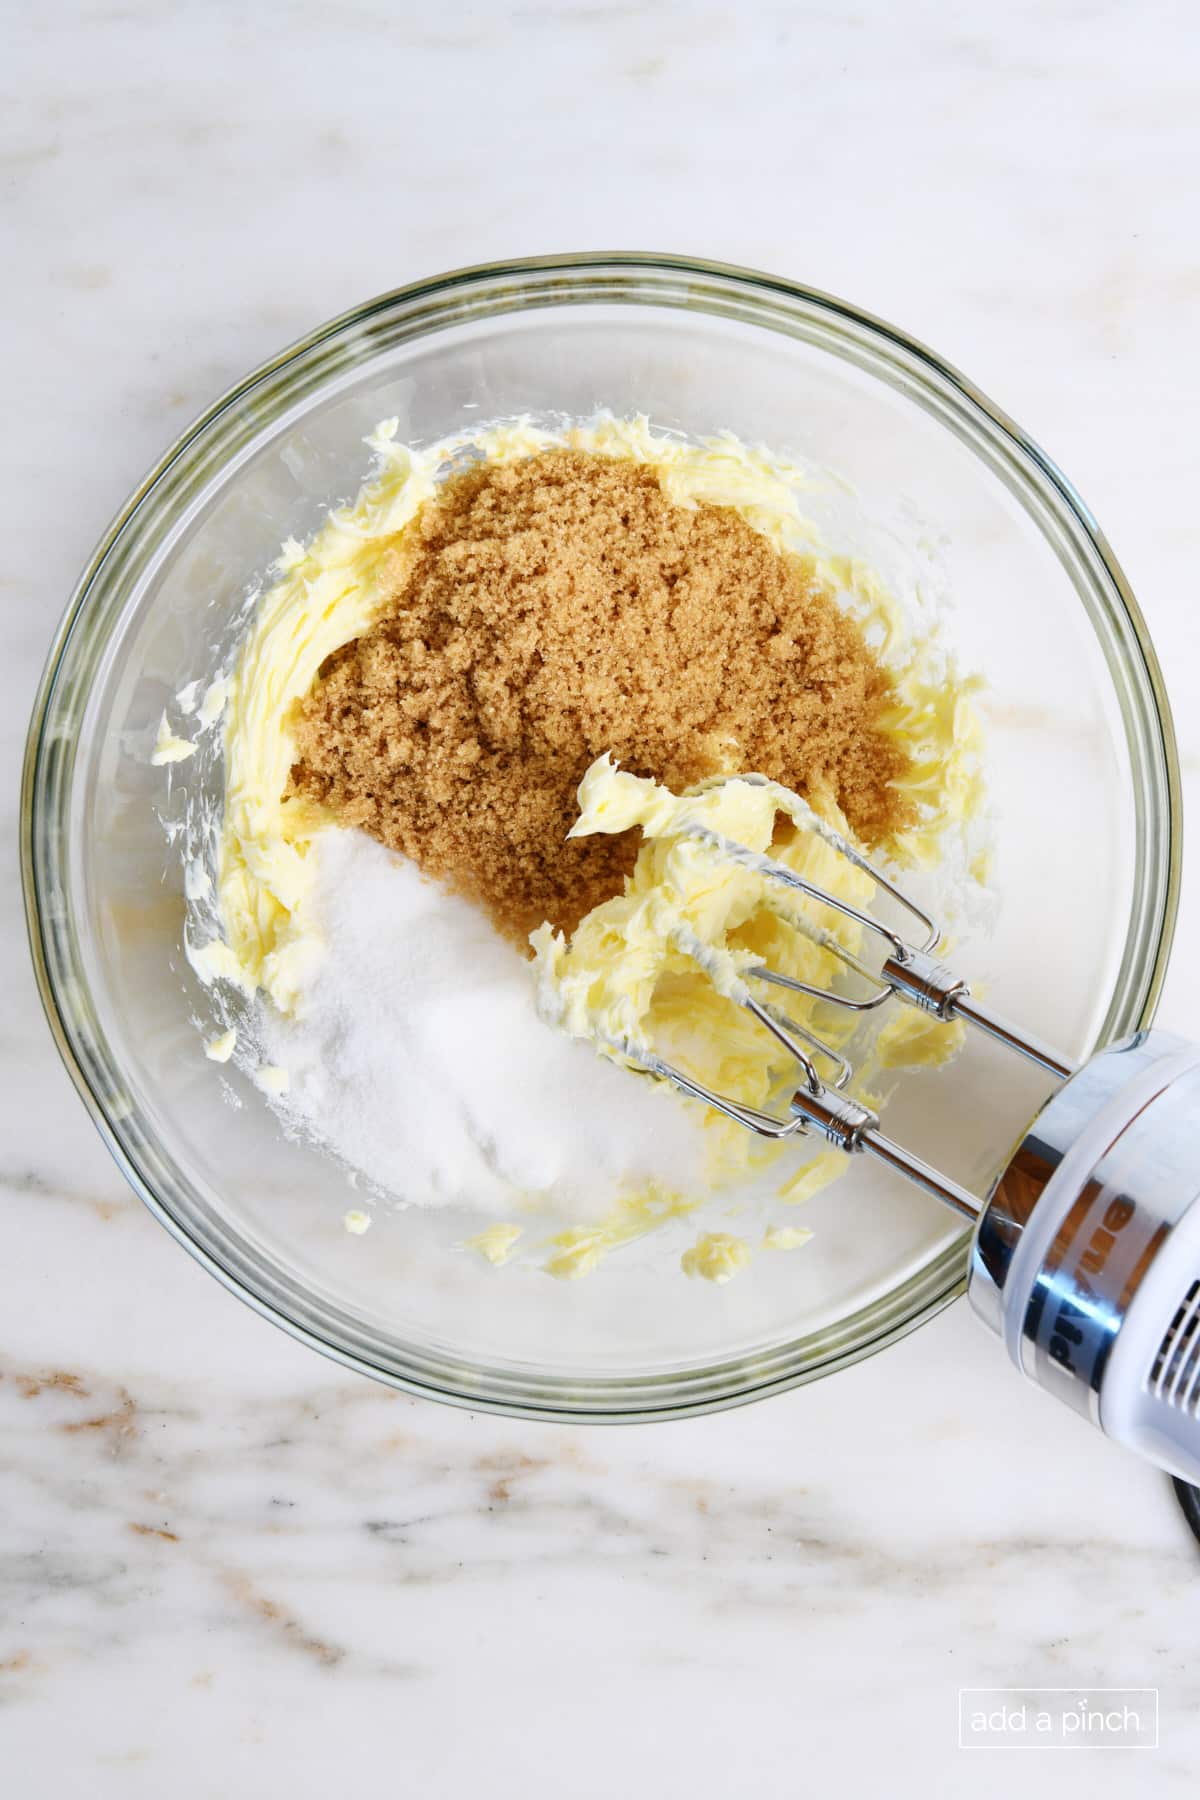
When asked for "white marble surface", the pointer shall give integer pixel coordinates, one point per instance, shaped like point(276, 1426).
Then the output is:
point(228, 1569)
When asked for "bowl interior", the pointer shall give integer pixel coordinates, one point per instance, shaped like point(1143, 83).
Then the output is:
point(931, 489)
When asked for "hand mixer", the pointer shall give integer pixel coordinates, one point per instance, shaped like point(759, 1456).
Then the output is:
point(1086, 1254)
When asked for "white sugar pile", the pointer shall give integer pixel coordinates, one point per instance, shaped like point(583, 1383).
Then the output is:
point(420, 1060)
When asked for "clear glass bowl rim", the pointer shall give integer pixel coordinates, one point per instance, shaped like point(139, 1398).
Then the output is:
point(492, 290)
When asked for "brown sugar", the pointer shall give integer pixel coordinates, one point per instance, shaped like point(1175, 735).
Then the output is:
point(547, 610)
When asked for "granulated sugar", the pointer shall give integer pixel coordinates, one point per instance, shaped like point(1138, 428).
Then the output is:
point(419, 1058)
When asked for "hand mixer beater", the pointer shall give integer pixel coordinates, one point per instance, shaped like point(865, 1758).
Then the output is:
point(1086, 1255)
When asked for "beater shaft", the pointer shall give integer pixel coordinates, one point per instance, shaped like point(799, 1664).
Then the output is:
point(1034, 1051)
point(852, 1127)
point(932, 986)
point(960, 1199)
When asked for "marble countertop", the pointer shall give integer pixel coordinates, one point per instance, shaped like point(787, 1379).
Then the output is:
point(228, 1568)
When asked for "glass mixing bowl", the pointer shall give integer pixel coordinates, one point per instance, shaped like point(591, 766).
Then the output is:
point(1081, 766)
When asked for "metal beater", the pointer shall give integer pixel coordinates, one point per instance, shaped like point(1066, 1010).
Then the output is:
point(1086, 1254)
